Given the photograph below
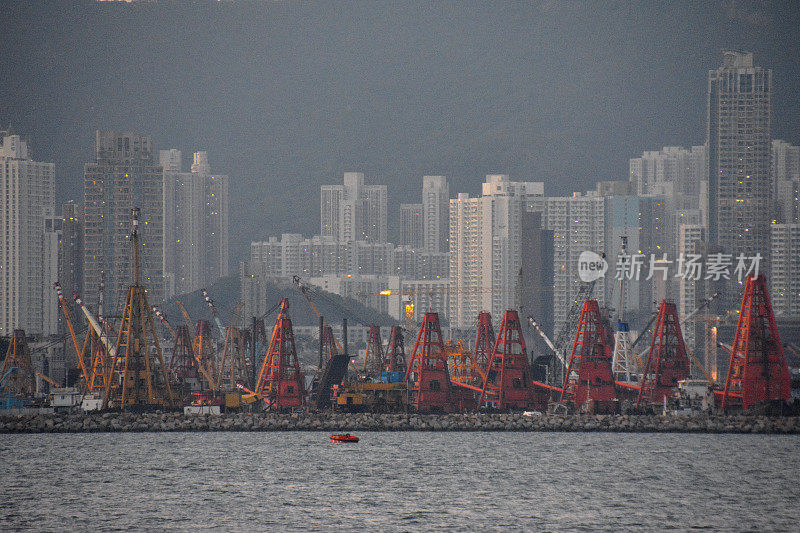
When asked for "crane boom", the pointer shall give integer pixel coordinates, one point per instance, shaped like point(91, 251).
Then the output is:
point(303, 289)
point(163, 320)
point(189, 321)
point(49, 380)
point(547, 340)
point(110, 348)
point(705, 303)
point(210, 303)
point(67, 315)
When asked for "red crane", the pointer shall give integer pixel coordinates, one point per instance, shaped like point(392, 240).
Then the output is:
point(589, 375)
point(395, 351)
point(757, 372)
point(667, 361)
point(484, 342)
point(508, 383)
point(427, 369)
point(281, 382)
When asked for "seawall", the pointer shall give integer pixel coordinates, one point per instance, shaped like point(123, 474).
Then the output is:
point(351, 422)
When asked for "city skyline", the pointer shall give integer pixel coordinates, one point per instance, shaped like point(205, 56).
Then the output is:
point(526, 116)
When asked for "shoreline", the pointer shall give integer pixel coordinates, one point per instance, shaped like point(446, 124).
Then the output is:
point(338, 422)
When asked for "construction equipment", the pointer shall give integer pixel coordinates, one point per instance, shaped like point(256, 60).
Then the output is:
point(98, 329)
point(48, 380)
point(508, 384)
point(62, 302)
point(214, 315)
point(138, 375)
point(332, 367)
point(370, 396)
point(203, 348)
point(535, 325)
point(427, 370)
point(164, 321)
point(395, 351)
point(184, 369)
point(562, 342)
point(20, 383)
point(233, 367)
point(373, 356)
point(667, 361)
point(484, 343)
point(281, 382)
point(460, 362)
point(306, 292)
point(258, 344)
point(758, 373)
point(97, 350)
point(8, 397)
point(622, 364)
point(705, 303)
point(470, 370)
point(589, 377)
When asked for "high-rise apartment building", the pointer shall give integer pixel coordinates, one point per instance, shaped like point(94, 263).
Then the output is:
point(785, 261)
point(435, 213)
point(638, 219)
point(71, 271)
point(786, 181)
point(411, 226)
point(51, 269)
point(217, 261)
point(183, 226)
point(578, 225)
point(354, 211)
point(694, 288)
point(486, 249)
point(195, 223)
point(739, 153)
point(27, 199)
point(692, 237)
point(673, 169)
point(677, 177)
point(124, 175)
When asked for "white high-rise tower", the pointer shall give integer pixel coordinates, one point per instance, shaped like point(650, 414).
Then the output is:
point(27, 199)
point(354, 211)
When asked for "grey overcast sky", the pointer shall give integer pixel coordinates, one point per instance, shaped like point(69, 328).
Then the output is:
point(286, 96)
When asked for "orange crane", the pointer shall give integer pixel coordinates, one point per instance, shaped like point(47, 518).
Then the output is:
point(68, 318)
point(49, 380)
point(99, 349)
point(202, 364)
point(234, 357)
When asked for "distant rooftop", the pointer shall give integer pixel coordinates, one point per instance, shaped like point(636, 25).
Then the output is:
point(736, 59)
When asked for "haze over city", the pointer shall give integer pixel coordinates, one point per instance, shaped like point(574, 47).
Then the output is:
point(287, 96)
point(359, 265)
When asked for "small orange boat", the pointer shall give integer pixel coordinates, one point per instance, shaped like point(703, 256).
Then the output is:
point(347, 437)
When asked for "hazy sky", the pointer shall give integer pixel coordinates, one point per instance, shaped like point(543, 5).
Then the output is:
point(286, 96)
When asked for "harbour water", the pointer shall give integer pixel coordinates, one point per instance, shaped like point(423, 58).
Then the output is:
point(399, 481)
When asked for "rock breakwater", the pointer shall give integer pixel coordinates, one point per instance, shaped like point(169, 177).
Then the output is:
point(155, 422)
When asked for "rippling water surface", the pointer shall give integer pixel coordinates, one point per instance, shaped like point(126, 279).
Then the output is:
point(399, 481)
